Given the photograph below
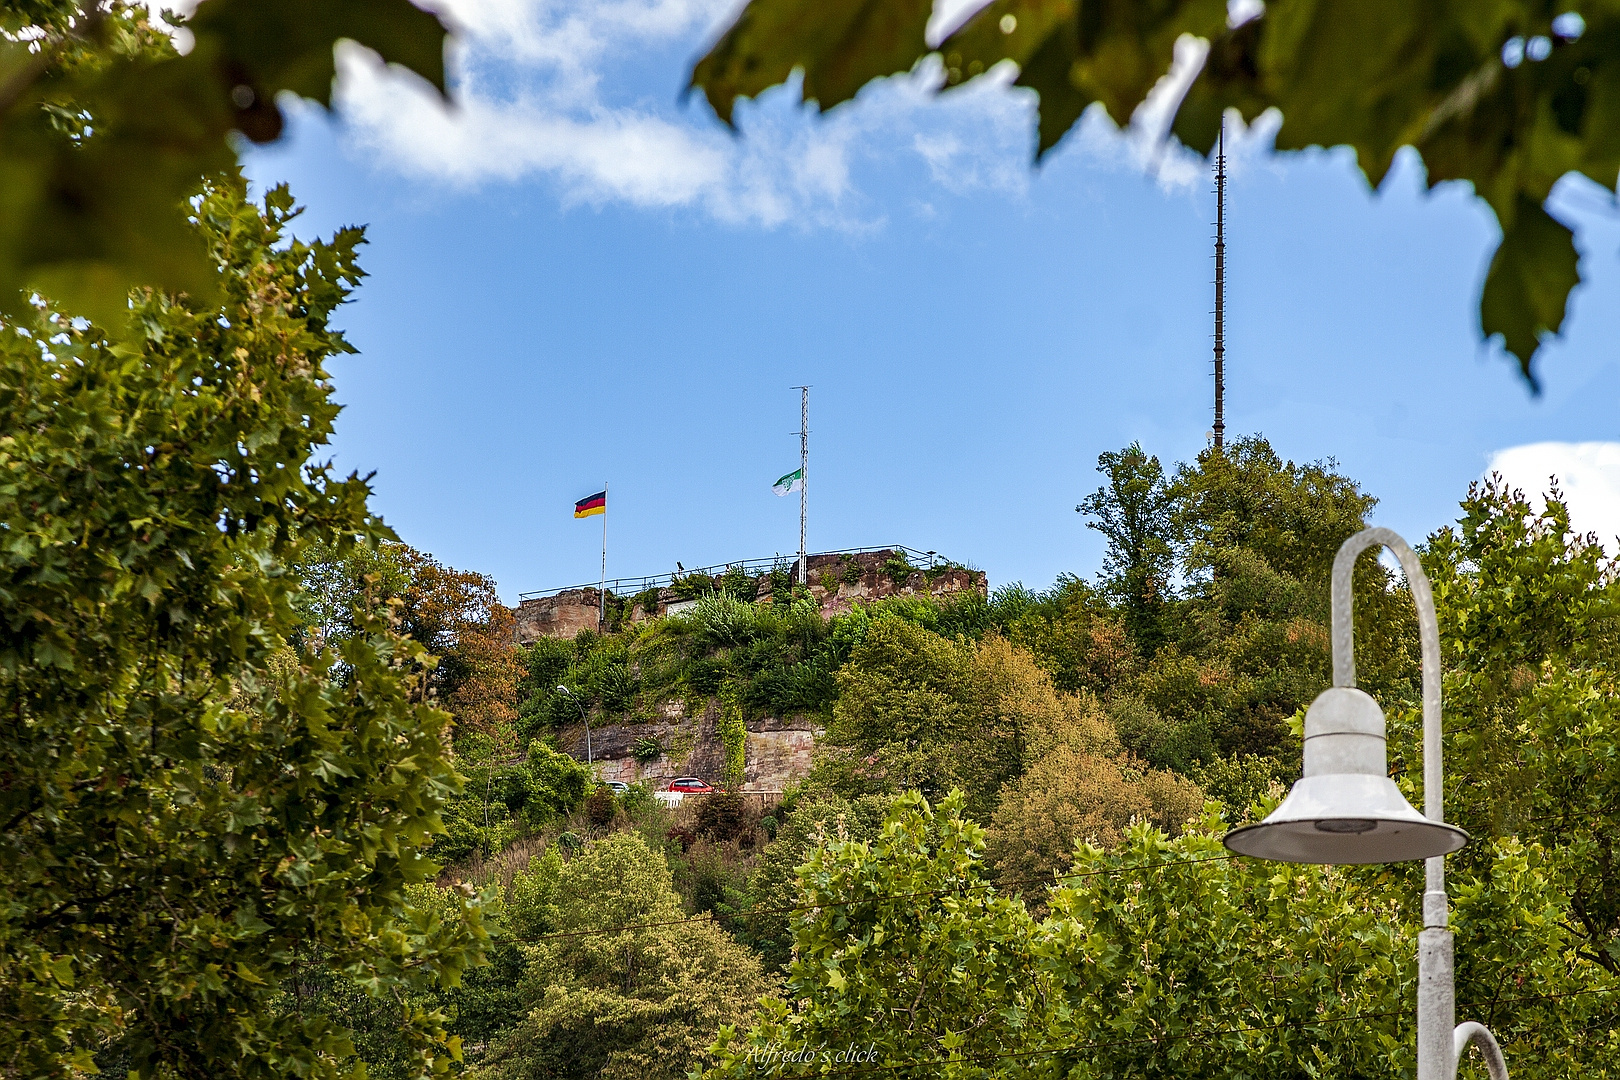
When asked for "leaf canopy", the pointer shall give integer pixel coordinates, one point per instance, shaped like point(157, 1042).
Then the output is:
point(106, 130)
point(196, 813)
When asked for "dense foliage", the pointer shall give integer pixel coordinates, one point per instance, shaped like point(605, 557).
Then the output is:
point(1069, 909)
point(196, 811)
point(1004, 861)
point(1195, 655)
point(1160, 959)
point(106, 129)
point(1510, 97)
point(621, 1004)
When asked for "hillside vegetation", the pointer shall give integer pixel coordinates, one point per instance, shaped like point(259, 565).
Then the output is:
point(322, 822)
point(987, 747)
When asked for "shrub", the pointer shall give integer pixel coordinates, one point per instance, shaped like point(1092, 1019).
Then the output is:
point(601, 807)
point(722, 816)
point(1072, 795)
point(898, 567)
point(692, 586)
point(722, 620)
point(647, 748)
point(737, 583)
point(552, 784)
point(638, 802)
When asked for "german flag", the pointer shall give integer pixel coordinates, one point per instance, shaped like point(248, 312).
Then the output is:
point(592, 504)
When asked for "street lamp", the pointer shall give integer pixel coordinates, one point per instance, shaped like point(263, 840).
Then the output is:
point(1346, 809)
point(569, 694)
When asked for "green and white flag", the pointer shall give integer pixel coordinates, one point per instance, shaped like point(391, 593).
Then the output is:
point(793, 481)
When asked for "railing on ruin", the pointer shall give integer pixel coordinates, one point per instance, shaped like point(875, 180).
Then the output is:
point(629, 586)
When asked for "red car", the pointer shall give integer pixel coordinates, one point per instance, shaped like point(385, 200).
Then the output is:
point(690, 785)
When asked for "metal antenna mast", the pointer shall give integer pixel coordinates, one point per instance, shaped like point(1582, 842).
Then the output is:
point(1220, 288)
point(804, 478)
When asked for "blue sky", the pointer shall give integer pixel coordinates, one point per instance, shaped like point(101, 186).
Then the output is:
point(577, 279)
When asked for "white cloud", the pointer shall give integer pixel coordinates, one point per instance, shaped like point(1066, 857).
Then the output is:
point(549, 88)
point(600, 152)
point(1588, 473)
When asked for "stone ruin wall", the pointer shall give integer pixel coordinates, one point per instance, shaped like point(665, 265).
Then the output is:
point(776, 752)
point(573, 610)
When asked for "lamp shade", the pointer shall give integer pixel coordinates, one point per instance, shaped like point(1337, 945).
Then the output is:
point(1346, 809)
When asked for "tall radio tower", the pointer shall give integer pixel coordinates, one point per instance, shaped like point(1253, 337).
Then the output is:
point(1219, 429)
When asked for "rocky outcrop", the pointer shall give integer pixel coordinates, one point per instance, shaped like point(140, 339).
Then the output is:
point(561, 616)
point(837, 582)
point(776, 751)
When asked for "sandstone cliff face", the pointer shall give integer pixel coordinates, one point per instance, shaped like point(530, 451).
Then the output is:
point(837, 582)
point(560, 616)
point(776, 752)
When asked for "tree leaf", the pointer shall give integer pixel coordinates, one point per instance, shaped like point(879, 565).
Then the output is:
point(1073, 54)
point(1527, 289)
point(101, 146)
point(287, 45)
point(840, 45)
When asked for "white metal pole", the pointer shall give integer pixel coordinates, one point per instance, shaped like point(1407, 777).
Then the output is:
point(1440, 1041)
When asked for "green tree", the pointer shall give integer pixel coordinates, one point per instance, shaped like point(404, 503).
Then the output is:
point(1073, 630)
point(1164, 958)
point(1133, 511)
point(773, 886)
point(1071, 794)
point(1248, 643)
point(917, 711)
point(337, 581)
point(1245, 497)
point(106, 130)
point(640, 1003)
point(455, 614)
point(1530, 626)
point(902, 950)
point(1510, 97)
point(193, 811)
point(909, 697)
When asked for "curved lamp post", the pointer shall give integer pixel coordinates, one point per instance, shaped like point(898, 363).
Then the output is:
point(1346, 809)
point(569, 694)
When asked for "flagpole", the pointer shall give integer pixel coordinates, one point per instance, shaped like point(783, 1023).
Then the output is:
point(804, 479)
point(601, 591)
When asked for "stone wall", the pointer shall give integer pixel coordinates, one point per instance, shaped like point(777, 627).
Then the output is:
point(561, 616)
point(837, 582)
point(776, 752)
